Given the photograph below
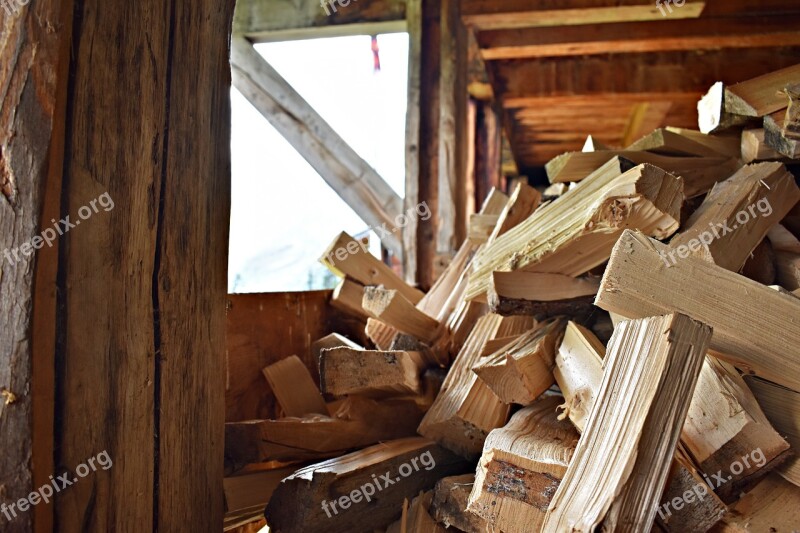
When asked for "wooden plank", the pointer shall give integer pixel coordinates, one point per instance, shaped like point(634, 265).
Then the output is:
point(295, 389)
point(662, 35)
point(504, 16)
point(282, 21)
point(301, 502)
point(754, 340)
point(521, 467)
point(549, 240)
point(621, 463)
point(32, 109)
point(353, 179)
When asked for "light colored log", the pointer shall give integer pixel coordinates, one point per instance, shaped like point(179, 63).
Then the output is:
point(620, 467)
point(370, 373)
point(754, 326)
point(294, 388)
point(576, 232)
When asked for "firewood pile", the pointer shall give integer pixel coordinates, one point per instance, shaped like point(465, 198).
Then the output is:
point(621, 353)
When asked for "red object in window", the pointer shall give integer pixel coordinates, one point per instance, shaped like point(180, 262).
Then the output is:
point(376, 54)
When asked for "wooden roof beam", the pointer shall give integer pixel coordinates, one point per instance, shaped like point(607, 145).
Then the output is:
point(662, 35)
point(353, 179)
point(269, 21)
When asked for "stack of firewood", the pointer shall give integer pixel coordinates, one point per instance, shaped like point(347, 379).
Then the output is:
point(623, 353)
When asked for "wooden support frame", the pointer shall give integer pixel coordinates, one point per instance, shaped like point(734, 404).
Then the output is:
point(353, 179)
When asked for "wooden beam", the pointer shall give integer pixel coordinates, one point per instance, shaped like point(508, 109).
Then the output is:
point(412, 149)
point(353, 179)
point(269, 21)
point(662, 35)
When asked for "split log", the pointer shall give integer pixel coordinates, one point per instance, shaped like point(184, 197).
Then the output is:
point(576, 232)
point(754, 146)
point(294, 388)
point(736, 215)
point(579, 373)
point(347, 297)
point(717, 433)
point(773, 136)
point(541, 295)
point(358, 422)
point(467, 410)
point(370, 373)
point(522, 204)
point(791, 123)
point(334, 340)
point(620, 467)
point(670, 142)
point(390, 307)
point(755, 328)
point(521, 467)
point(773, 506)
point(450, 497)
point(727, 145)
point(782, 407)
point(347, 257)
point(360, 491)
point(521, 371)
point(416, 517)
point(726, 107)
point(382, 335)
point(699, 173)
point(481, 227)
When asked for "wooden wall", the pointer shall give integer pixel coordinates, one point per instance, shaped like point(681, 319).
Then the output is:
point(264, 328)
point(115, 339)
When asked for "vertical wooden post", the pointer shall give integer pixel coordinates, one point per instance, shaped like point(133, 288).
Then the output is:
point(488, 150)
point(413, 163)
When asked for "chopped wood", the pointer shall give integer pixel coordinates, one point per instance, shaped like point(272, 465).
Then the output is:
point(360, 491)
point(390, 307)
point(723, 144)
point(499, 343)
point(294, 388)
point(755, 148)
point(358, 422)
point(466, 410)
point(724, 107)
point(773, 506)
point(521, 467)
point(718, 433)
point(541, 295)
point(416, 517)
point(670, 142)
point(521, 371)
point(382, 335)
point(791, 122)
point(370, 373)
point(334, 340)
point(576, 232)
point(755, 327)
point(698, 173)
point(450, 498)
point(775, 139)
point(347, 297)
point(782, 407)
point(620, 467)
point(579, 372)
point(481, 227)
point(522, 203)
point(347, 257)
point(736, 215)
